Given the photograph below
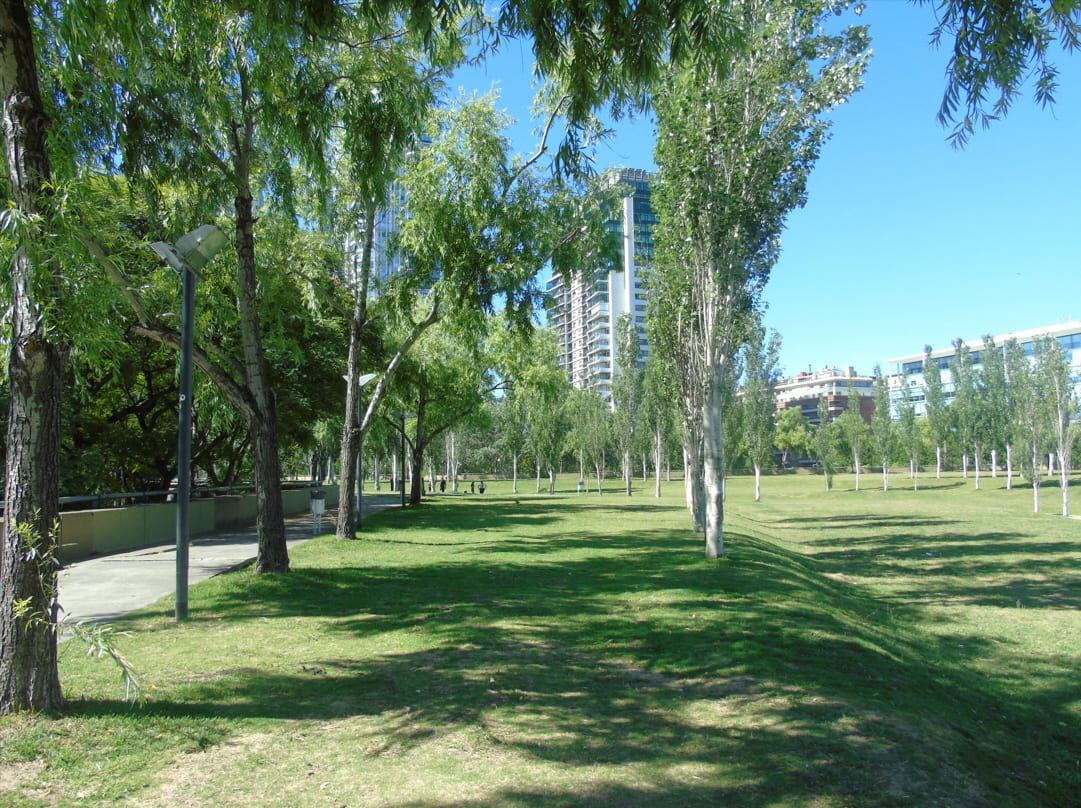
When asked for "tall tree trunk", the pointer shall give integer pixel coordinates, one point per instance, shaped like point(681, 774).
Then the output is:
point(994, 463)
point(273, 554)
point(29, 679)
point(1009, 466)
point(976, 460)
point(630, 470)
point(713, 463)
point(938, 462)
point(416, 454)
point(757, 481)
point(351, 443)
point(352, 434)
point(514, 471)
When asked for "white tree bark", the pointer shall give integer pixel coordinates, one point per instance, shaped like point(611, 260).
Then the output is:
point(713, 465)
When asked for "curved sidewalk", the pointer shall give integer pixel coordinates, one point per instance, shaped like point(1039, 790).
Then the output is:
point(106, 587)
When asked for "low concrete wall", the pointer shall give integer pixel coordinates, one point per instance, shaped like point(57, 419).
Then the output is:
point(112, 530)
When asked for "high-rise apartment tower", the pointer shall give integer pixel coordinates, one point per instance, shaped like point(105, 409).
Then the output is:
point(586, 306)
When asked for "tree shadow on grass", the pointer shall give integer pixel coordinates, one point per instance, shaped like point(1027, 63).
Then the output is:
point(774, 682)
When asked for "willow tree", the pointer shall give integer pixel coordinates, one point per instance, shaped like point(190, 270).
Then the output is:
point(736, 143)
point(383, 107)
point(231, 100)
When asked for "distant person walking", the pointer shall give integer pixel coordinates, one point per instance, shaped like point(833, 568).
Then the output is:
point(443, 485)
point(482, 486)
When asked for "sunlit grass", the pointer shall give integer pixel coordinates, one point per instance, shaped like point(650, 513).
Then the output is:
point(854, 649)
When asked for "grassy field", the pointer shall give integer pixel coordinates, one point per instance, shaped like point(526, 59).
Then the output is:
point(853, 649)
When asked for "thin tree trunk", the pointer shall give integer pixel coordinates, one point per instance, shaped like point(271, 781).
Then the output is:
point(1035, 482)
point(514, 471)
point(757, 481)
point(658, 449)
point(976, 460)
point(938, 462)
point(1064, 481)
point(994, 464)
point(713, 465)
point(29, 679)
point(692, 473)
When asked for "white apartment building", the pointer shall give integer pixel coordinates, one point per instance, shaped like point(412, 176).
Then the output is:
point(586, 307)
point(911, 367)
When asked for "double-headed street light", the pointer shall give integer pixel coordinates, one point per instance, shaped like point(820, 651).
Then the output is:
point(190, 254)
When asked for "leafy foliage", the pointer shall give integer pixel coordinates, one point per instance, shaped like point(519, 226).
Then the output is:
point(1000, 46)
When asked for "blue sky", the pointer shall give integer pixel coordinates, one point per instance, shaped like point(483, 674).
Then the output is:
point(904, 240)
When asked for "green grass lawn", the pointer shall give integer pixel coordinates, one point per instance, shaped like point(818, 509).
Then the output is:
point(852, 649)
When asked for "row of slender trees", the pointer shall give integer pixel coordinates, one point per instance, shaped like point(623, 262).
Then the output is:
point(1012, 407)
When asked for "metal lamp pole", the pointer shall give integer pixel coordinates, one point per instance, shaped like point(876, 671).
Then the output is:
point(401, 416)
point(191, 253)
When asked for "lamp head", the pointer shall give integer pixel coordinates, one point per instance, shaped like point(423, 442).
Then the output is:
point(193, 251)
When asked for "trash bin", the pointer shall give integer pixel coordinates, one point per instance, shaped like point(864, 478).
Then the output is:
point(318, 506)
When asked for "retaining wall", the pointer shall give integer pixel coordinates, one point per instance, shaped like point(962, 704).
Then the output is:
point(112, 530)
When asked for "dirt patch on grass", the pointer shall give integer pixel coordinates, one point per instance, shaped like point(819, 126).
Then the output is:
point(182, 784)
point(18, 775)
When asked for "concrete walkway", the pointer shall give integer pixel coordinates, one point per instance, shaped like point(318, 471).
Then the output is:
point(107, 587)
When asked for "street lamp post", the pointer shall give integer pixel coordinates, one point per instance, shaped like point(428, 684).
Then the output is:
point(191, 253)
point(401, 416)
